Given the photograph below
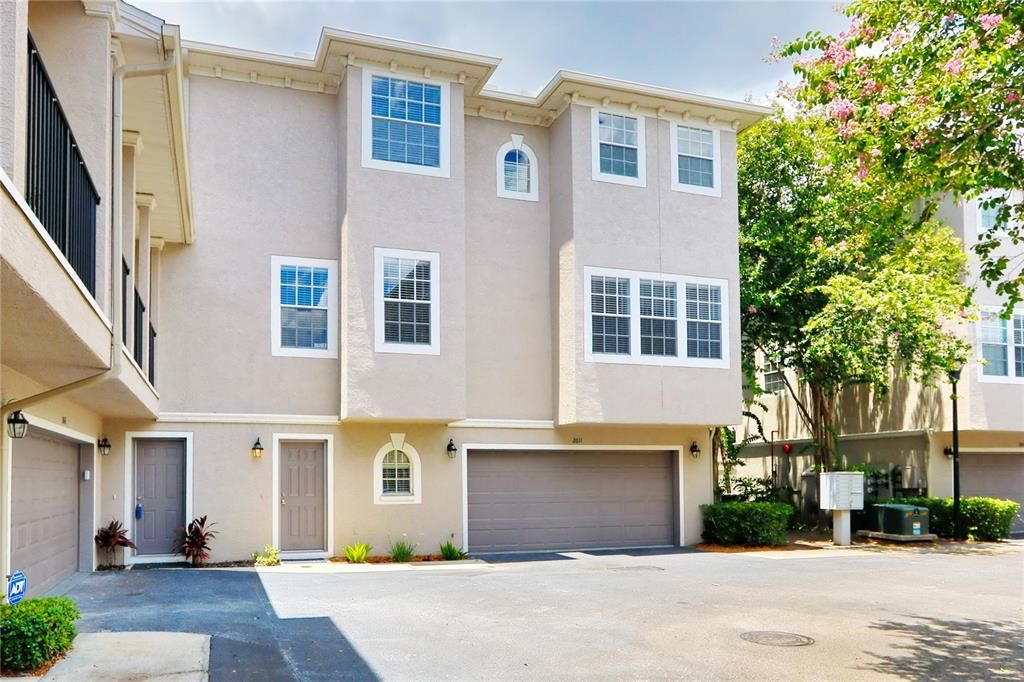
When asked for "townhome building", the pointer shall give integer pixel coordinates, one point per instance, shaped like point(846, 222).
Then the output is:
point(909, 433)
point(354, 297)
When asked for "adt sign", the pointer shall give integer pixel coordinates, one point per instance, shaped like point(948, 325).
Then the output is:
point(17, 586)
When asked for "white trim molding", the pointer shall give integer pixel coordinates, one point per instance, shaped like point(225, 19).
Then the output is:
point(680, 451)
point(595, 148)
point(399, 443)
point(716, 141)
point(380, 344)
point(275, 503)
point(333, 294)
point(243, 418)
point(635, 357)
point(503, 424)
point(132, 556)
point(533, 191)
point(441, 171)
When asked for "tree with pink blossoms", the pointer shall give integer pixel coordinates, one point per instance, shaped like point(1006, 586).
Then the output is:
point(936, 88)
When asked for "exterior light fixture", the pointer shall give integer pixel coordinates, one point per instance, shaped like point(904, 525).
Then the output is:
point(451, 449)
point(695, 449)
point(104, 446)
point(257, 449)
point(948, 452)
point(17, 425)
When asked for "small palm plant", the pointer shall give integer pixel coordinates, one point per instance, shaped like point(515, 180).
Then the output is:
point(403, 551)
point(112, 536)
point(451, 552)
point(196, 544)
point(357, 553)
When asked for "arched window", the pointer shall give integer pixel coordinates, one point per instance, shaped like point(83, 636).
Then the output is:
point(396, 473)
point(517, 170)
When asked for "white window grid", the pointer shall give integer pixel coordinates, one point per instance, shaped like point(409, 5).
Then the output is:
point(396, 474)
point(303, 318)
point(617, 147)
point(517, 171)
point(1001, 343)
point(696, 158)
point(772, 378)
point(659, 331)
point(703, 321)
point(629, 317)
point(407, 302)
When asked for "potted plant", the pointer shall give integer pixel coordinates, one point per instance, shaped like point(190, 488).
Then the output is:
point(112, 536)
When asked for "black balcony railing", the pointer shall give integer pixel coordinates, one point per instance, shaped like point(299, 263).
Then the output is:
point(152, 356)
point(125, 271)
point(58, 186)
point(140, 311)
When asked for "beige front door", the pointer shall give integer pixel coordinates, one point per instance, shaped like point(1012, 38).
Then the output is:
point(44, 510)
point(303, 495)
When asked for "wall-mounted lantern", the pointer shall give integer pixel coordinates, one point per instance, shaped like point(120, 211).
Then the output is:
point(104, 446)
point(451, 449)
point(695, 449)
point(257, 449)
point(17, 425)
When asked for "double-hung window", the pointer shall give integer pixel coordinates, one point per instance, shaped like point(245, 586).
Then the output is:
point(989, 205)
point(1002, 346)
point(654, 318)
point(516, 170)
point(407, 302)
point(405, 125)
point(617, 143)
point(696, 160)
point(304, 312)
point(772, 379)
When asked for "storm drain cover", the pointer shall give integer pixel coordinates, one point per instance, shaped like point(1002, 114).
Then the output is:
point(775, 638)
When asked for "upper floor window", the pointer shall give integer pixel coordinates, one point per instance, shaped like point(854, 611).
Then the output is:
point(1002, 346)
point(635, 317)
point(407, 302)
point(405, 125)
point(772, 379)
point(304, 317)
point(516, 170)
point(617, 145)
point(696, 160)
point(989, 205)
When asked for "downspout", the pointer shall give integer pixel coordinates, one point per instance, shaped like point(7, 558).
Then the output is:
point(117, 292)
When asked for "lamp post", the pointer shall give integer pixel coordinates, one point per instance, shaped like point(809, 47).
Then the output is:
point(954, 377)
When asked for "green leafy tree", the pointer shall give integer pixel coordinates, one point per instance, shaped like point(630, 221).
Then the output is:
point(840, 279)
point(929, 95)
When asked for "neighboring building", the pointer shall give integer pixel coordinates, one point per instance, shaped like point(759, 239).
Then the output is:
point(910, 431)
point(446, 312)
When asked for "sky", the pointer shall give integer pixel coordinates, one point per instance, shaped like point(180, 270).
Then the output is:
point(713, 48)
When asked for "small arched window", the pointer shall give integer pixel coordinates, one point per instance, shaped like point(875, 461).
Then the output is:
point(396, 473)
point(517, 170)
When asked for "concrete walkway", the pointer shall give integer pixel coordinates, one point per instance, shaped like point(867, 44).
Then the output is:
point(131, 656)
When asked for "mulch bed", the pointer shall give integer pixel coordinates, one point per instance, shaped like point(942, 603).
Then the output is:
point(736, 549)
point(383, 559)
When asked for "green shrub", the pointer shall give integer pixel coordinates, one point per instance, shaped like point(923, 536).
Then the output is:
point(402, 551)
point(357, 553)
point(752, 524)
point(449, 552)
point(36, 631)
point(270, 556)
point(984, 518)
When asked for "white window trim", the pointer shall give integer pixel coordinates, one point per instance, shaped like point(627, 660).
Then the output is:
point(416, 496)
point(767, 370)
point(1011, 376)
point(634, 357)
point(130, 438)
point(382, 346)
point(499, 165)
point(442, 171)
point(332, 307)
point(595, 149)
point(716, 143)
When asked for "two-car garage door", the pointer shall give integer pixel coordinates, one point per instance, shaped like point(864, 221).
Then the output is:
point(556, 500)
point(44, 514)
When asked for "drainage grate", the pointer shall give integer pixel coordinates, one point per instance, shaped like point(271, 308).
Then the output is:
point(775, 638)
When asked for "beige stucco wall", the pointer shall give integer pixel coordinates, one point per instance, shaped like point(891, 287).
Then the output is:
point(235, 490)
point(402, 211)
point(13, 84)
point(508, 335)
point(652, 229)
point(264, 175)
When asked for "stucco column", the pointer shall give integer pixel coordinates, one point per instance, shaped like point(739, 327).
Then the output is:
point(13, 90)
point(145, 204)
point(130, 149)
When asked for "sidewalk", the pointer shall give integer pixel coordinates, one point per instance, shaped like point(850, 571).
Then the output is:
point(177, 656)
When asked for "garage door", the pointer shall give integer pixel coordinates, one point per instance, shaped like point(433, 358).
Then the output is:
point(994, 475)
point(521, 501)
point(44, 516)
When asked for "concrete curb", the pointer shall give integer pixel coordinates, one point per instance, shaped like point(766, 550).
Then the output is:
point(125, 656)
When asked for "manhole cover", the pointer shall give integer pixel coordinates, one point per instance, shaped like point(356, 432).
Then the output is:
point(774, 638)
point(133, 594)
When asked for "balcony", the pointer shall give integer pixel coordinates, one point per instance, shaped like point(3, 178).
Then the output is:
point(58, 186)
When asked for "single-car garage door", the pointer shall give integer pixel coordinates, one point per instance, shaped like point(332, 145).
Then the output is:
point(994, 475)
point(44, 514)
point(548, 500)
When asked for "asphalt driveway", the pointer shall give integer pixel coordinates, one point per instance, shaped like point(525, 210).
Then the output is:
point(917, 615)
